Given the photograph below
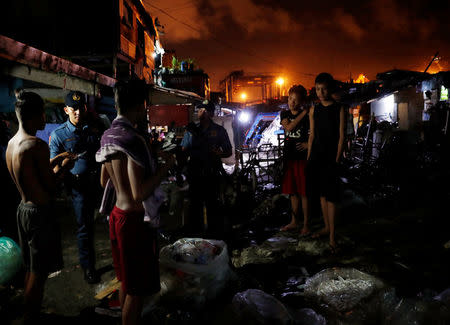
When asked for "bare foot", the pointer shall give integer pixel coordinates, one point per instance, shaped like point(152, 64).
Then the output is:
point(305, 231)
point(334, 248)
point(290, 226)
point(321, 233)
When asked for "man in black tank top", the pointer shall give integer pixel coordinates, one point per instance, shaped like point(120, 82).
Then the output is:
point(325, 146)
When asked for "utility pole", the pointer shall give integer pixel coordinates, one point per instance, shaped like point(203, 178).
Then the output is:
point(437, 53)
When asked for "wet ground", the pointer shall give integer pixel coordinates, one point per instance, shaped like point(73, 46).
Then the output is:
point(400, 240)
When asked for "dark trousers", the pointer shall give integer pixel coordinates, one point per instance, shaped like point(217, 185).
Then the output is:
point(204, 190)
point(84, 199)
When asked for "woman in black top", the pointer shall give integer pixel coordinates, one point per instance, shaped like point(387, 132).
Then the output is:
point(325, 145)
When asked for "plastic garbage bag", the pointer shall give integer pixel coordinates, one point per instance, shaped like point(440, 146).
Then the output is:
point(197, 269)
point(341, 288)
point(257, 306)
point(444, 297)
point(307, 316)
point(10, 259)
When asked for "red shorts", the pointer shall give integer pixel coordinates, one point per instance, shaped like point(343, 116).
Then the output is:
point(135, 252)
point(294, 177)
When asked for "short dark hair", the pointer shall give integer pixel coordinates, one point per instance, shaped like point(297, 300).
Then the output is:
point(299, 90)
point(28, 105)
point(129, 94)
point(209, 106)
point(325, 78)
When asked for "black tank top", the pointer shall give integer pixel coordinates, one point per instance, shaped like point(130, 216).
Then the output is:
point(326, 132)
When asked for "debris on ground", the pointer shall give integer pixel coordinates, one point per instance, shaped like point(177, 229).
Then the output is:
point(194, 270)
point(341, 288)
point(259, 307)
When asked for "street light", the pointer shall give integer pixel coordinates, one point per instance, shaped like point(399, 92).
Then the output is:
point(280, 82)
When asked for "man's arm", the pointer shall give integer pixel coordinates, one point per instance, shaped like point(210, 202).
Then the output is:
point(47, 175)
point(58, 159)
point(341, 133)
point(226, 147)
point(141, 187)
point(54, 145)
point(104, 176)
point(311, 131)
point(290, 125)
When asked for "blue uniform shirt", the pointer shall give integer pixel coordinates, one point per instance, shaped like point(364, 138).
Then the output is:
point(69, 138)
point(200, 145)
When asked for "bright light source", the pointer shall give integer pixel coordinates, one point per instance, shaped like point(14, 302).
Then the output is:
point(154, 55)
point(243, 96)
point(444, 93)
point(244, 117)
point(280, 81)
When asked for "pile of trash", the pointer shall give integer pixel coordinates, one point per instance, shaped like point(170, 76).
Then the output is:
point(278, 247)
point(341, 289)
point(270, 251)
point(194, 270)
point(259, 307)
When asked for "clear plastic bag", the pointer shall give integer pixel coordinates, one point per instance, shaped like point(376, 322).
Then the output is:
point(198, 268)
point(341, 288)
point(256, 305)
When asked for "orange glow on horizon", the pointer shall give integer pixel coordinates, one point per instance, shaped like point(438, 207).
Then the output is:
point(362, 79)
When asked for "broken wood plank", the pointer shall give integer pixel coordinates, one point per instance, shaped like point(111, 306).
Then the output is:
point(113, 285)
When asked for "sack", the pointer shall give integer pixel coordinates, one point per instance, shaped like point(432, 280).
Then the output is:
point(10, 259)
point(197, 268)
point(256, 306)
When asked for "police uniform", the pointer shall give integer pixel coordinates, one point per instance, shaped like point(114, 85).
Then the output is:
point(83, 179)
point(203, 174)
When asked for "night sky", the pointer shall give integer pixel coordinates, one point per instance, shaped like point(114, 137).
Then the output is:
point(299, 39)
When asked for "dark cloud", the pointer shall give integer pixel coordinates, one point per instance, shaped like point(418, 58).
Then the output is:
point(302, 39)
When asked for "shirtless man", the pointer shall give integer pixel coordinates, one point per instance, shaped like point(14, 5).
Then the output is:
point(126, 162)
point(35, 176)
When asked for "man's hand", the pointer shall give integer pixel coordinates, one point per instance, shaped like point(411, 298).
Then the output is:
point(69, 162)
point(57, 160)
point(302, 146)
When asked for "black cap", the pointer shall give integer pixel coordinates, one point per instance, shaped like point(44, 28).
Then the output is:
point(75, 99)
point(210, 107)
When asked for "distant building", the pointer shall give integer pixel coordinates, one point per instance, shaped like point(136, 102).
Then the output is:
point(117, 38)
point(251, 89)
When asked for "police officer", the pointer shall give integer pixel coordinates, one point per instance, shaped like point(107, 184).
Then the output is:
point(79, 136)
point(205, 143)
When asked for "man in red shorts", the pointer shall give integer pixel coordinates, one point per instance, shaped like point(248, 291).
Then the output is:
point(127, 163)
point(296, 127)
